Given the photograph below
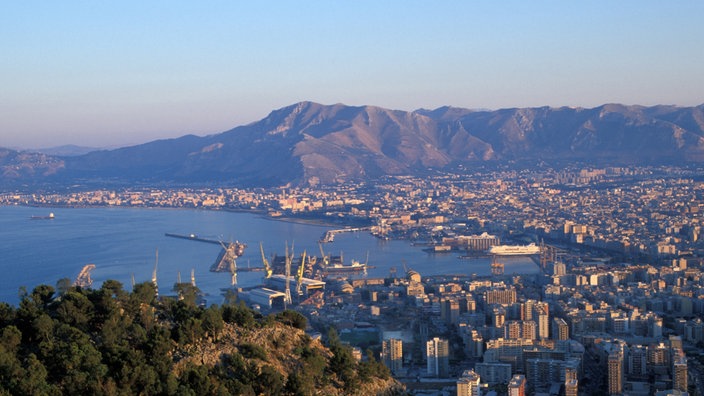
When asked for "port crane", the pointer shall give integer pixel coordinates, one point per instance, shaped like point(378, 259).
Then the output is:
point(156, 264)
point(265, 262)
point(299, 274)
point(232, 262)
point(287, 299)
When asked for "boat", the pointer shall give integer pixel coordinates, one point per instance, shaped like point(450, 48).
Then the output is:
point(508, 250)
point(338, 267)
point(49, 217)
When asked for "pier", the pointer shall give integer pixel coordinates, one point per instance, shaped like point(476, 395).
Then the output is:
point(329, 236)
point(194, 237)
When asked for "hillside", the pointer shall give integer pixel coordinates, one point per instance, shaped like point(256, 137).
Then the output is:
point(309, 143)
point(109, 341)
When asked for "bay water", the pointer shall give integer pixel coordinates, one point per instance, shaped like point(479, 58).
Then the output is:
point(123, 243)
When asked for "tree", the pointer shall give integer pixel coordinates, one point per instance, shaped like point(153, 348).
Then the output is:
point(269, 382)
point(63, 285)
point(212, 322)
point(292, 318)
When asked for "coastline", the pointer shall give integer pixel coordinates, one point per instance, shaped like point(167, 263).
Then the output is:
point(263, 214)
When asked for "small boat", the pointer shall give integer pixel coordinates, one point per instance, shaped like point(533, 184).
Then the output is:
point(49, 217)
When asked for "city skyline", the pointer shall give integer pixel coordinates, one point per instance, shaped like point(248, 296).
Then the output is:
point(113, 75)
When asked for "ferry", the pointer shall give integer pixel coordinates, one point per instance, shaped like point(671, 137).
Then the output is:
point(507, 250)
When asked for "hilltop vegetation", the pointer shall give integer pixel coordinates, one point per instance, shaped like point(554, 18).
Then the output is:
point(70, 341)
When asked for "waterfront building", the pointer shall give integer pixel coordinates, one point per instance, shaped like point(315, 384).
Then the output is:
point(438, 357)
point(476, 243)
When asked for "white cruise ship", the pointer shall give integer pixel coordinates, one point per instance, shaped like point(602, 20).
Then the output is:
point(506, 250)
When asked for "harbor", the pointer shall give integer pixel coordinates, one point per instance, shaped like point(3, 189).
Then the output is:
point(121, 242)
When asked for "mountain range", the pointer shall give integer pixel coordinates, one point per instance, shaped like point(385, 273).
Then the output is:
point(309, 144)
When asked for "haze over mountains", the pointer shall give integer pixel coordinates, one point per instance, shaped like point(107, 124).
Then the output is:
point(310, 143)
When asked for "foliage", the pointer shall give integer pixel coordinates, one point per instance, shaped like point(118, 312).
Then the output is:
point(70, 340)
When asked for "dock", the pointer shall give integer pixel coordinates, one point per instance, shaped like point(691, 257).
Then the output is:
point(194, 237)
point(329, 236)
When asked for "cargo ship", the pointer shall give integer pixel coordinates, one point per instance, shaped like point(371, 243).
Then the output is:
point(507, 250)
point(50, 217)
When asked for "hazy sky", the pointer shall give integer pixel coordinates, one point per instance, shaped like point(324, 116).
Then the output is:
point(101, 73)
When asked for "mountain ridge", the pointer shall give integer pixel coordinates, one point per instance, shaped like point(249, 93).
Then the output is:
point(308, 143)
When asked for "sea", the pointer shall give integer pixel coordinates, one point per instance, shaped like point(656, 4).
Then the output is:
point(129, 243)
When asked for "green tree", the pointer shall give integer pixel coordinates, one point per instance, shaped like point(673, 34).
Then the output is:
point(212, 322)
point(269, 382)
point(292, 318)
point(75, 309)
point(63, 286)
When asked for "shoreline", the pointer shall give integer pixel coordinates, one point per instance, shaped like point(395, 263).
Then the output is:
point(258, 212)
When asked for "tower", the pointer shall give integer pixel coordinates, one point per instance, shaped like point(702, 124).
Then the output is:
point(392, 353)
point(679, 373)
point(560, 329)
point(438, 352)
point(571, 382)
point(615, 373)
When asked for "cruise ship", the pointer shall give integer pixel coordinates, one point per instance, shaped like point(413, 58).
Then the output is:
point(506, 250)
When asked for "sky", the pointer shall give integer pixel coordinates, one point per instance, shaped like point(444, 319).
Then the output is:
point(109, 74)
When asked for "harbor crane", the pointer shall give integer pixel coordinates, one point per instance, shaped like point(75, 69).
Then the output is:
point(287, 298)
point(156, 264)
point(299, 274)
point(265, 262)
point(232, 262)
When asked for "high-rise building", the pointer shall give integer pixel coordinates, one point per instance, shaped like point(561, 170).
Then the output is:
point(438, 353)
point(560, 329)
point(469, 384)
point(675, 342)
point(392, 353)
point(512, 329)
point(679, 373)
point(498, 316)
point(529, 330)
point(517, 385)
point(615, 373)
point(450, 310)
point(527, 310)
point(541, 315)
point(638, 361)
point(571, 382)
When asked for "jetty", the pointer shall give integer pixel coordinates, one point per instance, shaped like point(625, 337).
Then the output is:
point(329, 236)
point(194, 237)
point(83, 279)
